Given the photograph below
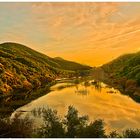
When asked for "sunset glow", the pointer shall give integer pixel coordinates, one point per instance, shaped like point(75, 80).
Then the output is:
point(89, 33)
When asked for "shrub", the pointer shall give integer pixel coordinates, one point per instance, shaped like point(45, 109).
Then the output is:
point(16, 128)
point(131, 133)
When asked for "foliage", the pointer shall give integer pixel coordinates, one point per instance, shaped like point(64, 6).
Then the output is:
point(71, 126)
point(16, 127)
point(69, 65)
point(114, 134)
point(75, 125)
point(130, 133)
point(95, 130)
point(125, 71)
point(19, 63)
point(126, 65)
point(53, 127)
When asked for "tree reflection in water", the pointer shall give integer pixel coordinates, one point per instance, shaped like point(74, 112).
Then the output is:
point(84, 91)
point(97, 85)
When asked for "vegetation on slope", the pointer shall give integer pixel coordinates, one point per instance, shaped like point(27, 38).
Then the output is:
point(23, 70)
point(69, 65)
point(125, 71)
point(71, 126)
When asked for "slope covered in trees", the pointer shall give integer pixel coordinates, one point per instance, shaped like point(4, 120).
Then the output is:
point(69, 65)
point(125, 71)
point(23, 70)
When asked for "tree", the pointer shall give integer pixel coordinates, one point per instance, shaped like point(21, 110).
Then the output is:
point(53, 127)
point(71, 126)
point(114, 134)
point(74, 123)
point(130, 86)
point(122, 82)
point(95, 130)
point(16, 127)
point(131, 133)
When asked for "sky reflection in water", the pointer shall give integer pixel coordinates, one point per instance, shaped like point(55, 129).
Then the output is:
point(99, 101)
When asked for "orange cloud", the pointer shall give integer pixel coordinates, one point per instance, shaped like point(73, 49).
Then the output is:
point(86, 32)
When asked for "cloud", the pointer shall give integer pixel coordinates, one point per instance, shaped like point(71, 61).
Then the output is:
point(84, 28)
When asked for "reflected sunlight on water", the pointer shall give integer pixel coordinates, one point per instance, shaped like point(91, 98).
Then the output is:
point(97, 100)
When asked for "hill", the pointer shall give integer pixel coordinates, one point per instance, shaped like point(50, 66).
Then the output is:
point(23, 69)
point(125, 71)
point(69, 65)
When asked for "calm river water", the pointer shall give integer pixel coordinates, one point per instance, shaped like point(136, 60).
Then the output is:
point(97, 100)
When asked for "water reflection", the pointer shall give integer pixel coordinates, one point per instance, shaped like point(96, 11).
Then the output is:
point(61, 86)
point(83, 91)
point(98, 86)
point(86, 84)
point(92, 98)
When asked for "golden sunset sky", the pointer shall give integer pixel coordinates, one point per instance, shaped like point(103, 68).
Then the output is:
point(89, 33)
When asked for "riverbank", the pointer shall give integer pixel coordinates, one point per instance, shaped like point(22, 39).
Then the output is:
point(10, 106)
point(125, 86)
point(130, 90)
point(13, 101)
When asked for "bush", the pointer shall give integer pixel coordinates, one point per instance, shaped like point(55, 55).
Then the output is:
point(95, 130)
point(71, 126)
point(53, 126)
point(16, 128)
point(114, 134)
point(131, 133)
point(74, 123)
point(130, 86)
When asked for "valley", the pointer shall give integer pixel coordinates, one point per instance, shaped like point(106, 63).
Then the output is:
point(30, 80)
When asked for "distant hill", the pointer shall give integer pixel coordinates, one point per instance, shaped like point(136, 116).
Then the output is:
point(125, 71)
point(126, 65)
point(69, 65)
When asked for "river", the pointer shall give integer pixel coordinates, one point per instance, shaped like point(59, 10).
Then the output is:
point(95, 99)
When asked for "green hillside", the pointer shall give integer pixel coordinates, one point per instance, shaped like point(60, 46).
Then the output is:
point(125, 71)
point(23, 70)
point(69, 65)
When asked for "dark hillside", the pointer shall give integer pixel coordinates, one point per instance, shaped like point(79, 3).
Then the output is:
point(69, 65)
point(125, 71)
